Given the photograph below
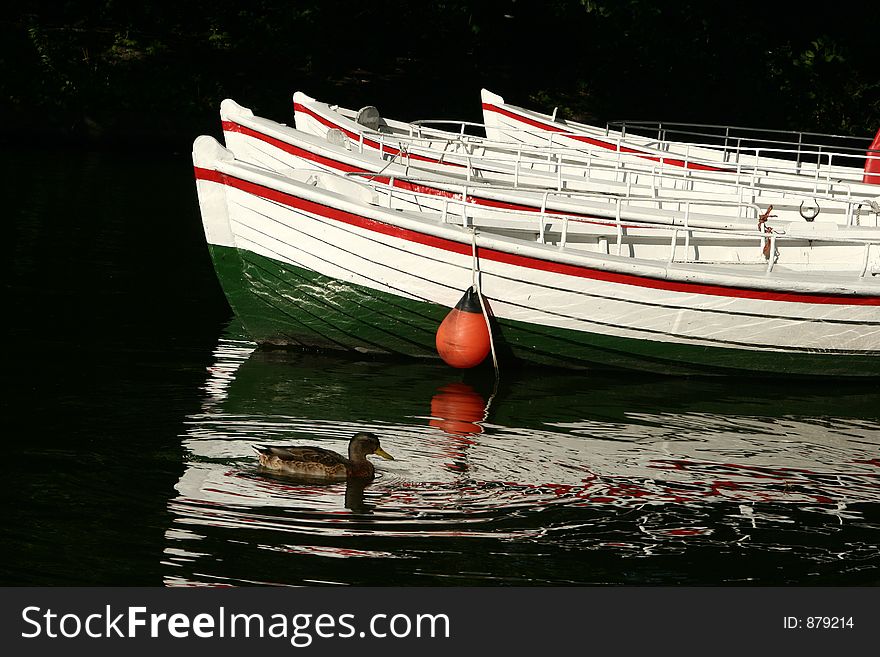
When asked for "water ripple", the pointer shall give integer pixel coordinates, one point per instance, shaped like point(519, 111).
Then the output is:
point(521, 489)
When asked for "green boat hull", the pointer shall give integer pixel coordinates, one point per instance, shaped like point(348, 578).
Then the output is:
point(285, 305)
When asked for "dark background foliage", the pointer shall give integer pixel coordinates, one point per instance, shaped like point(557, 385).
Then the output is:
point(106, 72)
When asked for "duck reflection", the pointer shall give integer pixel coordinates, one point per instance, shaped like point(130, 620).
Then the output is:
point(293, 484)
point(354, 496)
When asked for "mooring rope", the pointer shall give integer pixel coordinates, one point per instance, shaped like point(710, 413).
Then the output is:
point(475, 279)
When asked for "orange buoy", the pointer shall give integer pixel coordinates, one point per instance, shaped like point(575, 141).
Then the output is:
point(872, 162)
point(463, 337)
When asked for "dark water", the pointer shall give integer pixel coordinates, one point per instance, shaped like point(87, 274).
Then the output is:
point(131, 403)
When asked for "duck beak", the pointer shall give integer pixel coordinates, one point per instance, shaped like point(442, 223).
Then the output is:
point(385, 455)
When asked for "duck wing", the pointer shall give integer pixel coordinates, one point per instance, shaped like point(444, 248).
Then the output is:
point(299, 454)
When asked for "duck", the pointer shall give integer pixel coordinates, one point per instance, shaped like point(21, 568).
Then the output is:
point(325, 464)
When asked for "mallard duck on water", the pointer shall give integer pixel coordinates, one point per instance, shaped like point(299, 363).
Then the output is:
point(320, 463)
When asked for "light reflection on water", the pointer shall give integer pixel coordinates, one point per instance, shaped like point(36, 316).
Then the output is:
point(555, 479)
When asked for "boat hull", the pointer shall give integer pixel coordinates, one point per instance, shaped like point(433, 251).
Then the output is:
point(281, 304)
point(303, 265)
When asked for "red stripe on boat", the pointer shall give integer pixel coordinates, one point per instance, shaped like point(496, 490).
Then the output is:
point(549, 127)
point(230, 126)
point(523, 261)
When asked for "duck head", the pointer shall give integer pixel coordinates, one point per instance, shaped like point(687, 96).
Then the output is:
point(365, 443)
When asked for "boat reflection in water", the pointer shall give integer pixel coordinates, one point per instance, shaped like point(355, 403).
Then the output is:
point(554, 478)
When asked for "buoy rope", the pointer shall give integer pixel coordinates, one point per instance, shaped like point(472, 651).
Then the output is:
point(475, 279)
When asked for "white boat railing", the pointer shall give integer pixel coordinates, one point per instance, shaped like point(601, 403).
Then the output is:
point(460, 127)
point(554, 152)
point(523, 160)
point(802, 156)
point(827, 165)
point(733, 147)
point(730, 137)
point(749, 210)
point(621, 221)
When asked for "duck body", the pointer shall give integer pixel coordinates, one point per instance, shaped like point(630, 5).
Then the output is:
point(324, 464)
point(312, 462)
